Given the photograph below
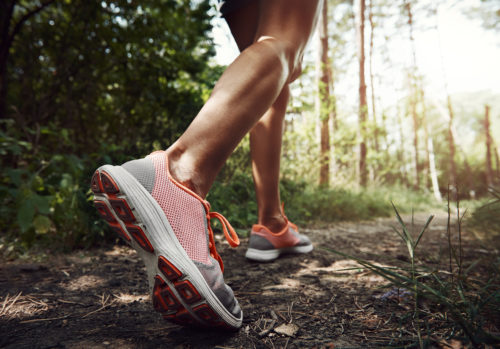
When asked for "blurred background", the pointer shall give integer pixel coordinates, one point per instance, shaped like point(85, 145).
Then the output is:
point(399, 101)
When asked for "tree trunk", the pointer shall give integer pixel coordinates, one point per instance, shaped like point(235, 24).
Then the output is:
point(324, 91)
point(401, 152)
point(362, 94)
point(426, 165)
point(372, 85)
point(9, 29)
point(6, 12)
point(433, 172)
point(497, 163)
point(413, 100)
point(451, 143)
point(489, 169)
point(452, 177)
point(414, 117)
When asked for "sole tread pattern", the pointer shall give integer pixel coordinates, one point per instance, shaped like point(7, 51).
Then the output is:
point(164, 298)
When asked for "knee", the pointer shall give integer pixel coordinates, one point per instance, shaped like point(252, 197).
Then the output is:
point(296, 72)
point(290, 54)
point(293, 54)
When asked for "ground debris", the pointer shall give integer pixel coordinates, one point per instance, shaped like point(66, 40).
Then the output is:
point(317, 300)
point(289, 330)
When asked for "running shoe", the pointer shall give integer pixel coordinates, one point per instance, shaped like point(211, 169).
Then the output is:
point(265, 246)
point(169, 226)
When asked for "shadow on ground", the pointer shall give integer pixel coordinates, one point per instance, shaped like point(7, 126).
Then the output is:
point(98, 298)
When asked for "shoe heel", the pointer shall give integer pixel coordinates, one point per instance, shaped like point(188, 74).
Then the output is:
point(105, 188)
point(166, 302)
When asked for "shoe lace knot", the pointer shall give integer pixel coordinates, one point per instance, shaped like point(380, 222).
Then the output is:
point(229, 233)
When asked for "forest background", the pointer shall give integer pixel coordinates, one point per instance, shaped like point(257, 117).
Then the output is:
point(84, 83)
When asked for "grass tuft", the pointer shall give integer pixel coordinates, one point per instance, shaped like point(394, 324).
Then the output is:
point(463, 300)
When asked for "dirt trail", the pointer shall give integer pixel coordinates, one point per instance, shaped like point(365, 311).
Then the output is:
point(98, 298)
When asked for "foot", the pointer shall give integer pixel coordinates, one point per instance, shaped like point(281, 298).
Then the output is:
point(169, 226)
point(265, 246)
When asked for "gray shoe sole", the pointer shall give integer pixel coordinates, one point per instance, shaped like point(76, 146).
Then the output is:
point(270, 255)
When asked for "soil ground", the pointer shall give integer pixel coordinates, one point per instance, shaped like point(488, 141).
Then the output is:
point(98, 298)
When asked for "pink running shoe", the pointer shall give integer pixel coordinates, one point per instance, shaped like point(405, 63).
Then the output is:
point(265, 246)
point(169, 226)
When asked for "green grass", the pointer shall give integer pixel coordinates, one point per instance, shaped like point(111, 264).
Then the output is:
point(306, 203)
point(463, 296)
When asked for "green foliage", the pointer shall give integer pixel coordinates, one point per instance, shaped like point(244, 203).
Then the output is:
point(236, 199)
point(91, 83)
point(485, 220)
point(45, 200)
point(130, 73)
point(305, 202)
point(233, 195)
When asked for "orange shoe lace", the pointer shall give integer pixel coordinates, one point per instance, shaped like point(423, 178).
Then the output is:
point(228, 230)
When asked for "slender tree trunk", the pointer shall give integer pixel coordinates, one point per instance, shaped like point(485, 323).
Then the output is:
point(333, 100)
point(9, 29)
point(453, 149)
point(489, 169)
point(452, 177)
point(401, 152)
point(333, 117)
point(497, 163)
point(324, 90)
point(451, 143)
point(426, 167)
point(362, 94)
point(372, 85)
point(415, 145)
point(433, 172)
point(6, 12)
point(413, 100)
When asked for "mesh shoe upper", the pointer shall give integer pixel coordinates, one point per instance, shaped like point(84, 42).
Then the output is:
point(189, 217)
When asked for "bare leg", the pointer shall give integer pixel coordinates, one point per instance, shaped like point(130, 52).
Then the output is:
point(265, 147)
point(266, 135)
point(246, 90)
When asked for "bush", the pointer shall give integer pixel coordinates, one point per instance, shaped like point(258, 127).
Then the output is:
point(306, 203)
point(45, 198)
point(485, 220)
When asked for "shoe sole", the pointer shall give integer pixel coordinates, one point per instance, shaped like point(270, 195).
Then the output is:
point(179, 290)
point(270, 255)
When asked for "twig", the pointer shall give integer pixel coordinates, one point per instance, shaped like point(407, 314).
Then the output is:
point(104, 304)
point(268, 329)
point(301, 313)
point(356, 303)
point(47, 319)
point(332, 299)
point(290, 312)
point(5, 307)
point(68, 302)
point(280, 315)
point(273, 315)
point(241, 293)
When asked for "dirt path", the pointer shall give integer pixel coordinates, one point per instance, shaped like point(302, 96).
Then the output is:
point(98, 298)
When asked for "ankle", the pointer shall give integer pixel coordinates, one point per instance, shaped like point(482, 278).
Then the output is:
point(275, 223)
point(183, 173)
